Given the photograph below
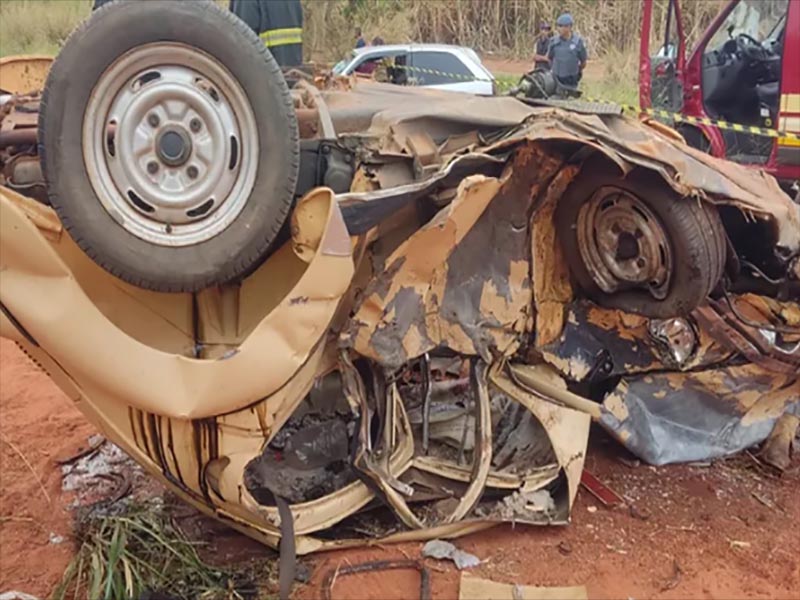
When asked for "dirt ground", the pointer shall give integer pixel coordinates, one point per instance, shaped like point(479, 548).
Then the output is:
point(728, 530)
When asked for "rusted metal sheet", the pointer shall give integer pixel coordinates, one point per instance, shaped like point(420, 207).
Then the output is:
point(677, 417)
point(462, 281)
point(627, 142)
point(446, 244)
point(599, 343)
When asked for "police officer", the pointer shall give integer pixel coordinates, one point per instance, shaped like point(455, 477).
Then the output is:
point(540, 60)
point(360, 41)
point(567, 53)
point(279, 23)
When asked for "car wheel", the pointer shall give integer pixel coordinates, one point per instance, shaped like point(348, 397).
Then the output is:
point(634, 244)
point(169, 143)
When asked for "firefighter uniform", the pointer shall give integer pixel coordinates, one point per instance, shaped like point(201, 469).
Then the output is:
point(279, 23)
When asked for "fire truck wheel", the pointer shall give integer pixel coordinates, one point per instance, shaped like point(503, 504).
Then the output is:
point(633, 243)
point(171, 153)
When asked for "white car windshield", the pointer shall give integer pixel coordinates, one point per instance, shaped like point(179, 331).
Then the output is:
point(339, 67)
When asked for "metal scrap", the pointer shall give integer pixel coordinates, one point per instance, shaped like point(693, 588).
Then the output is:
point(607, 496)
point(442, 550)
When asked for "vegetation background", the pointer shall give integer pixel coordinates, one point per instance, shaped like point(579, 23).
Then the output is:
point(498, 29)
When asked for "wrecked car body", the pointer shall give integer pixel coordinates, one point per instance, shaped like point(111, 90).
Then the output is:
point(419, 358)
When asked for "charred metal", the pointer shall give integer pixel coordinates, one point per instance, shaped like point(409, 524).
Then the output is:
point(463, 286)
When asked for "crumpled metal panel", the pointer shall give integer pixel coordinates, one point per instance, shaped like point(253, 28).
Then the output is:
point(601, 342)
point(678, 417)
point(463, 280)
point(625, 141)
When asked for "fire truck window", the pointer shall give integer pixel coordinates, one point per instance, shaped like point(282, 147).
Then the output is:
point(742, 69)
point(665, 90)
point(758, 19)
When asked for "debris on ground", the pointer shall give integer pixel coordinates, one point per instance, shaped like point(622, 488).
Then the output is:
point(475, 588)
point(103, 474)
point(608, 497)
point(675, 579)
point(442, 550)
point(17, 596)
point(777, 449)
point(379, 565)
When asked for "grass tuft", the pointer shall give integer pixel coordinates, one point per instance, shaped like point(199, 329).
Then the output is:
point(36, 27)
point(141, 553)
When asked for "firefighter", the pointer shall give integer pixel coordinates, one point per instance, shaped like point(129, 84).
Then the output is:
point(540, 60)
point(279, 23)
point(567, 53)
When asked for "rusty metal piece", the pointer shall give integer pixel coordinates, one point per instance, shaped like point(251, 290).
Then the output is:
point(677, 337)
point(744, 339)
point(425, 369)
point(777, 449)
point(379, 565)
point(18, 137)
point(482, 453)
point(607, 497)
point(534, 380)
point(24, 73)
point(307, 122)
point(623, 244)
point(325, 122)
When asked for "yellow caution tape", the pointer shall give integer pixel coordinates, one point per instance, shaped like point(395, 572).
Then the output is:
point(680, 117)
point(655, 112)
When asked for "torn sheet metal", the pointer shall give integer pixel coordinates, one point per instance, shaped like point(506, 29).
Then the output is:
point(229, 395)
point(627, 142)
point(599, 343)
point(679, 417)
point(462, 281)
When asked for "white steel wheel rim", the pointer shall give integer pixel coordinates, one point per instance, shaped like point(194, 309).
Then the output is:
point(170, 144)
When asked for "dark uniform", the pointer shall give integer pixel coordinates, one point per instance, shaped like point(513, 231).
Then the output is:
point(279, 23)
point(566, 57)
point(542, 47)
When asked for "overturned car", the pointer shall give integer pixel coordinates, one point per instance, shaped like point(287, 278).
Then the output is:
point(339, 311)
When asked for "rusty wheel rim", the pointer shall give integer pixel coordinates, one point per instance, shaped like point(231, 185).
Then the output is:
point(623, 244)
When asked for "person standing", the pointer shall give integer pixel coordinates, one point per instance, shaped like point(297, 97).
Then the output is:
point(279, 23)
point(567, 53)
point(540, 60)
point(360, 41)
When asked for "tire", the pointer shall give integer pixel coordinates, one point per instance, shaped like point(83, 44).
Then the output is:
point(245, 87)
point(692, 229)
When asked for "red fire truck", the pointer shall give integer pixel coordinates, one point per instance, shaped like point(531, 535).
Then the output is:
point(744, 71)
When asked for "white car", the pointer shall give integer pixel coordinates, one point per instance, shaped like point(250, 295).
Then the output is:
point(439, 66)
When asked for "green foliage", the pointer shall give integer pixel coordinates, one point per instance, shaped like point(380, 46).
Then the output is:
point(36, 26)
point(122, 556)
